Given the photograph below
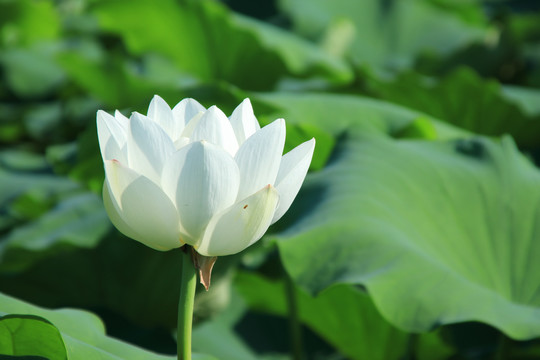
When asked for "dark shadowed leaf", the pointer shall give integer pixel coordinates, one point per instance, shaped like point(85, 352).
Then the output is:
point(78, 221)
point(342, 315)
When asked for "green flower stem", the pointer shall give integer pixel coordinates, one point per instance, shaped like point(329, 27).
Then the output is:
point(295, 328)
point(412, 345)
point(504, 348)
point(185, 305)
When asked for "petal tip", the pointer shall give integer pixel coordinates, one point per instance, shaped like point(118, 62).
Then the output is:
point(156, 99)
point(214, 110)
point(246, 102)
point(280, 122)
point(137, 116)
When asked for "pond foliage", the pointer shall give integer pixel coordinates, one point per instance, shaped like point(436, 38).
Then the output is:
point(416, 234)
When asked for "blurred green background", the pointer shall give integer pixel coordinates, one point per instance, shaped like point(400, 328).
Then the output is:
point(415, 236)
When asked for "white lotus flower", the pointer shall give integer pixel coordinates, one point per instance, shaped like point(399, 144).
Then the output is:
point(193, 176)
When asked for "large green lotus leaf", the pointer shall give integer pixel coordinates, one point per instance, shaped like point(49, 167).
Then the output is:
point(335, 113)
point(209, 42)
point(28, 30)
point(327, 116)
point(82, 332)
point(342, 315)
point(218, 337)
point(110, 79)
point(43, 214)
point(220, 340)
point(528, 99)
point(236, 333)
point(439, 232)
point(22, 173)
point(463, 99)
point(25, 22)
point(120, 276)
point(139, 287)
point(29, 335)
point(79, 221)
point(31, 71)
point(14, 182)
point(383, 33)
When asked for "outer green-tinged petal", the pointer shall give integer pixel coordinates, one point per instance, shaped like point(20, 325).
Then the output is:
point(291, 175)
point(216, 128)
point(151, 214)
point(203, 179)
point(184, 111)
point(112, 137)
point(243, 121)
point(140, 209)
point(239, 226)
point(161, 113)
point(259, 157)
point(118, 180)
point(111, 151)
point(148, 147)
point(141, 205)
point(114, 212)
